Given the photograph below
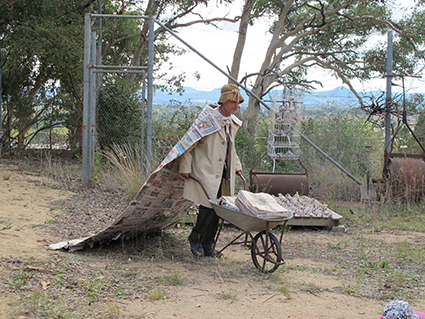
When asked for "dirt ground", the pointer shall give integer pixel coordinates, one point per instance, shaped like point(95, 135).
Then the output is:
point(157, 277)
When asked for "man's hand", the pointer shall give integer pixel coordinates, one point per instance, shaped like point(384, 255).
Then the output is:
point(239, 172)
point(186, 175)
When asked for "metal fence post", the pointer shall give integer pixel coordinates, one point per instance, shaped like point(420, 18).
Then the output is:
point(150, 96)
point(93, 95)
point(142, 129)
point(85, 129)
point(388, 92)
point(1, 114)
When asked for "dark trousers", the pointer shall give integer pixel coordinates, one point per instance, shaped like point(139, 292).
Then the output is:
point(206, 226)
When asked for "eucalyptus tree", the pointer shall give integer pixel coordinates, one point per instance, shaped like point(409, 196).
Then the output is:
point(41, 63)
point(334, 35)
point(42, 56)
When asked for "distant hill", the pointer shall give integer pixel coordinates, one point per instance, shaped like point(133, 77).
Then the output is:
point(192, 95)
point(340, 96)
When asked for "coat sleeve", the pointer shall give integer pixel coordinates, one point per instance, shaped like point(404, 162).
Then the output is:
point(185, 165)
point(238, 165)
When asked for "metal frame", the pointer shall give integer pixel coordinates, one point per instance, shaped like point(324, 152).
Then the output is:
point(92, 67)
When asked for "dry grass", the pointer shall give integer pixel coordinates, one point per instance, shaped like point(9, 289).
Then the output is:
point(127, 160)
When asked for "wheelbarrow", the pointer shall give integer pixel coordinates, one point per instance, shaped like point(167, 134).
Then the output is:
point(266, 251)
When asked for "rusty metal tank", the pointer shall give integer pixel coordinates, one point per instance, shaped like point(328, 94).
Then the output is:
point(278, 183)
point(275, 183)
point(407, 177)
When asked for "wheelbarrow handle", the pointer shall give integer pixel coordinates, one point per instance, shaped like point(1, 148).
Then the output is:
point(205, 191)
point(243, 179)
point(202, 185)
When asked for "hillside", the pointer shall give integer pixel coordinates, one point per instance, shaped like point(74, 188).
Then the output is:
point(340, 96)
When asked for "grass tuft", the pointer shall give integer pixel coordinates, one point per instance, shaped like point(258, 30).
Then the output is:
point(157, 294)
point(127, 160)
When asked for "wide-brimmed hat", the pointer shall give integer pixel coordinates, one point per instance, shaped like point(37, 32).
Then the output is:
point(230, 92)
point(399, 309)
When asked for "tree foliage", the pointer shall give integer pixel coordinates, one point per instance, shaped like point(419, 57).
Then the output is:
point(119, 113)
point(332, 35)
point(42, 51)
point(41, 64)
point(42, 56)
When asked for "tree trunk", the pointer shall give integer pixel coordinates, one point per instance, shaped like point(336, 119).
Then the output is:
point(264, 78)
point(251, 113)
point(142, 45)
point(143, 41)
point(243, 27)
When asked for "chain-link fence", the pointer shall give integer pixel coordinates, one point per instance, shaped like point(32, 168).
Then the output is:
point(117, 99)
point(337, 150)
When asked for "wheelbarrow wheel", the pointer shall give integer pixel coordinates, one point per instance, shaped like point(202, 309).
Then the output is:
point(266, 254)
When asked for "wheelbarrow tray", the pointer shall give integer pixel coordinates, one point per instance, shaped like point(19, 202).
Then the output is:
point(246, 222)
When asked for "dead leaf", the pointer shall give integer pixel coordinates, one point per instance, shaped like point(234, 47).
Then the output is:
point(44, 284)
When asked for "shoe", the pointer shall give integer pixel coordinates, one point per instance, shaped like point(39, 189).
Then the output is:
point(209, 252)
point(196, 249)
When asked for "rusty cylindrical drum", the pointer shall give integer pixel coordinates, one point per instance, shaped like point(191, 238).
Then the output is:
point(283, 183)
point(407, 176)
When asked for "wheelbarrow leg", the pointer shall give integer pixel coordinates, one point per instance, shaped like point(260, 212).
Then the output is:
point(283, 230)
point(218, 235)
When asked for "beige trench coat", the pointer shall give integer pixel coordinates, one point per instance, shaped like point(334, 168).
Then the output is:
point(205, 161)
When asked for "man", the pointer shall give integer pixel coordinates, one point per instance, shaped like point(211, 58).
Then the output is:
point(214, 162)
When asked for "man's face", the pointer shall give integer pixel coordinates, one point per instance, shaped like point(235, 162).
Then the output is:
point(229, 107)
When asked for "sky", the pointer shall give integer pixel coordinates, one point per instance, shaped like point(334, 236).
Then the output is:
point(218, 44)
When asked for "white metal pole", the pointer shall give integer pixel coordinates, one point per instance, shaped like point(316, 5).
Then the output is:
point(93, 95)
point(388, 93)
point(142, 129)
point(85, 129)
point(150, 96)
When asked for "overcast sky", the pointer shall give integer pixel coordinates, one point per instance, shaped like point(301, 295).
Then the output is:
point(218, 45)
